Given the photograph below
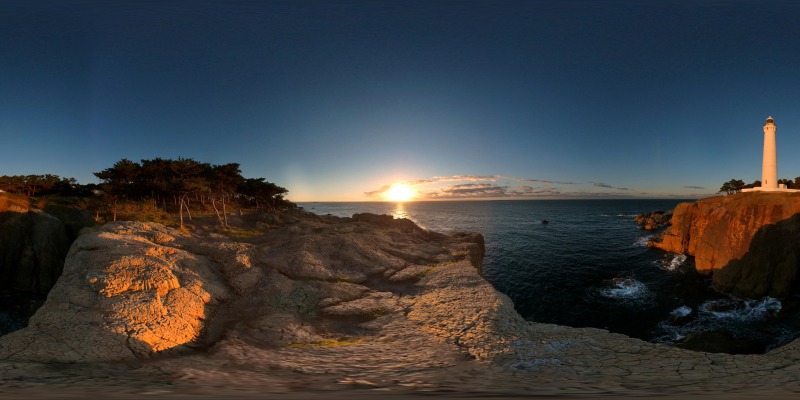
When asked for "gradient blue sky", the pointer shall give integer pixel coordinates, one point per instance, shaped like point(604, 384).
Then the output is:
point(335, 99)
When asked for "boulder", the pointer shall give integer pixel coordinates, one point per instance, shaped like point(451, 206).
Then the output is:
point(654, 220)
point(749, 242)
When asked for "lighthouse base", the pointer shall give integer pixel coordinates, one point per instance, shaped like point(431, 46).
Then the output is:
point(763, 189)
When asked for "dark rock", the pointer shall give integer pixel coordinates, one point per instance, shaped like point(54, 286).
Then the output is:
point(718, 342)
point(34, 243)
point(33, 246)
point(387, 221)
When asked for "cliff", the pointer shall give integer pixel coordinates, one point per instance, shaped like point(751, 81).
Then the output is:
point(145, 289)
point(33, 245)
point(335, 306)
point(749, 242)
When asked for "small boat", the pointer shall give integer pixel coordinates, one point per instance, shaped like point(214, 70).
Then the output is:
point(544, 221)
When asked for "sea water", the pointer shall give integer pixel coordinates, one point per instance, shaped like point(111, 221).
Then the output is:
point(589, 266)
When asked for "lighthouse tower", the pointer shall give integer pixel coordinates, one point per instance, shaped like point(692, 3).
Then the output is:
point(769, 167)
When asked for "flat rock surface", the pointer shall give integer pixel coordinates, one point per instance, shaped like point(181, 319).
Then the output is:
point(333, 308)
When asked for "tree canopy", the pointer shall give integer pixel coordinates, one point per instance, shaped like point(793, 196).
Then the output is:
point(185, 181)
point(736, 185)
point(38, 185)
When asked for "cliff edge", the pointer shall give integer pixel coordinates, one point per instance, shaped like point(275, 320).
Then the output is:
point(748, 242)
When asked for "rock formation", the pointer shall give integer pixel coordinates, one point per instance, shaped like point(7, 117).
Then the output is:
point(654, 220)
point(749, 242)
point(146, 289)
point(33, 245)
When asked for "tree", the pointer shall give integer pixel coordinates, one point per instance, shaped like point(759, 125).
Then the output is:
point(756, 183)
point(264, 193)
point(223, 183)
point(155, 179)
point(732, 186)
point(119, 182)
point(189, 178)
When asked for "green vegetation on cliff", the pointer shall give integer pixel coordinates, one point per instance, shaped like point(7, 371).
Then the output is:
point(736, 185)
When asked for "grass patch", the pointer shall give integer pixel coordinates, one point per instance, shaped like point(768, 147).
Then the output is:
point(239, 235)
point(327, 343)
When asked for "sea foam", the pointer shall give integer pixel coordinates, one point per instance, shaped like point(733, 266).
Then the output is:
point(625, 288)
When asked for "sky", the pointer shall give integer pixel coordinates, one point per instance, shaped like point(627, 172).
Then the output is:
point(339, 100)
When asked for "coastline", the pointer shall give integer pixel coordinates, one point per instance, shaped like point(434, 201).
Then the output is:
point(451, 332)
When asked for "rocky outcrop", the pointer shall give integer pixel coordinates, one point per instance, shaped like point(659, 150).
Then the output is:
point(10, 202)
point(144, 289)
point(749, 242)
point(654, 220)
point(33, 245)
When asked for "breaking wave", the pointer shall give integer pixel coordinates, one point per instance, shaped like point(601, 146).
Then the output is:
point(682, 311)
point(641, 241)
point(625, 289)
point(741, 309)
point(731, 315)
point(671, 262)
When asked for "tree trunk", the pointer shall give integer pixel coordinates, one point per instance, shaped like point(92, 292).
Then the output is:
point(214, 204)
point(188, 211)
point(224, 212)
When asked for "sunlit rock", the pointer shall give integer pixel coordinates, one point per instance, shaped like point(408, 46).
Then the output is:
point(749, 243)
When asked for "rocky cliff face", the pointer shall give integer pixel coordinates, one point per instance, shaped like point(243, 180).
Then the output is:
point(33, 245)
point(144, 289)
point(749, 242)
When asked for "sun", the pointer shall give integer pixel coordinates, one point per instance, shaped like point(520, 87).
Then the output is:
point(399, 192)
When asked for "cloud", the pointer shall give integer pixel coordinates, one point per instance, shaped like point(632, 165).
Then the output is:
point(469, 190)
point(547, 182)
point(485, 186)
point(378, 192)
point(694, 187)
point(607, 186)
point(530, 191)
point(454, 178)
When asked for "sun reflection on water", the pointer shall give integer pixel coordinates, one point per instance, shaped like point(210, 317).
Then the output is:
point(400, 211)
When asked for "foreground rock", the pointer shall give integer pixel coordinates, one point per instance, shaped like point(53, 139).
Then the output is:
point(327, 304)
point(749, 242)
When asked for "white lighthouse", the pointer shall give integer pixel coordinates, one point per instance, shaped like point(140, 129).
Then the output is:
point(769, 165)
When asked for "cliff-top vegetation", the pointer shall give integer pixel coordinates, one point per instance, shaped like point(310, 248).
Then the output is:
point(157, 189)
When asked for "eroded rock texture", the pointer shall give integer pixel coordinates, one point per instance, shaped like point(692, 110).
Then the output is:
point(748, 242)
point(132, 290)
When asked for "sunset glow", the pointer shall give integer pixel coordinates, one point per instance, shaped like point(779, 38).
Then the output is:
point(399, 192)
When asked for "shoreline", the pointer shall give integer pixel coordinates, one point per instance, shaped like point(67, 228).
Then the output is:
point(476, 342)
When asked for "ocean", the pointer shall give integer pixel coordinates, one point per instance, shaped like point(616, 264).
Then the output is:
point(589, 267)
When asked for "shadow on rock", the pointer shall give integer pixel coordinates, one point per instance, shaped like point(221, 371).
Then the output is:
point(770, 266)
